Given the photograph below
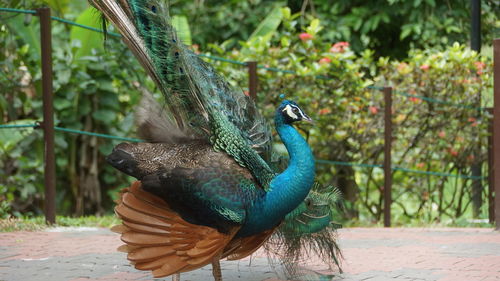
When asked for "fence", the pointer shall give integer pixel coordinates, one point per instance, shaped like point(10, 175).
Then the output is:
point(48, 124)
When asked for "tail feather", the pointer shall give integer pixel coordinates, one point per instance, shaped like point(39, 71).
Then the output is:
point(154, 125)
point(158, 239)
point(308, 232)
point(199, 100)
point(150, 254)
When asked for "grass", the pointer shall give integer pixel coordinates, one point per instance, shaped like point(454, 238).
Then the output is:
point(38, 223)
point(461, 222)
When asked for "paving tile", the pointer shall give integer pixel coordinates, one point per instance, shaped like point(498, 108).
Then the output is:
point(370, 254)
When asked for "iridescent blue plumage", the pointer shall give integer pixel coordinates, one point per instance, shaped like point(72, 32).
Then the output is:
point(289, 188)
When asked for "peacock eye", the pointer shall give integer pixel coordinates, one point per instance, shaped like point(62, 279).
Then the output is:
point(308, 203)
point(295, 110)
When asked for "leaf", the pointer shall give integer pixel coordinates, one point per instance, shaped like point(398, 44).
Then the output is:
point(60, 141)
point(29, 33)
point(109, 100)
point(286, 13)
point(60, 104)
point(89, 39)
point(314, 27)
point(266, 29)
point(285, 42)
point(432, 3)
point(406, 32)
point(9, 138)
point(106, 85)
point(103, 115)
point(60, 6)
point(269, 24)
point(181, 25)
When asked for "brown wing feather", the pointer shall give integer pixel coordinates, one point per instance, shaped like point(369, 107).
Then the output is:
point(240, 248)
point(159, 240)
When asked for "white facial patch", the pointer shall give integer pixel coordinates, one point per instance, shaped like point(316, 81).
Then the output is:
point(289, 111)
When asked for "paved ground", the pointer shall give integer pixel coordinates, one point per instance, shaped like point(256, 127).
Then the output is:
point(370, 254)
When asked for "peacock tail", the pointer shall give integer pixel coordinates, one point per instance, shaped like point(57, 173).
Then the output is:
point(307, 232)
point(199, 101)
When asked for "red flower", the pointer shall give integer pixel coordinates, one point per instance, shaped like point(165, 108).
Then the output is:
point(325, 60)
point(479, 66)
point(247, 93)
point(453, 152)
point(339, 47)
point(420, 165)
point(305, 36)
point(424, 67)
point(442, 134)
point(415, 99)
point(373, 109)
point(324, 111)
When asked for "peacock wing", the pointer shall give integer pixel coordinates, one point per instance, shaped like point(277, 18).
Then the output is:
point(217, 196)
point(158, 239)
point(198, 98)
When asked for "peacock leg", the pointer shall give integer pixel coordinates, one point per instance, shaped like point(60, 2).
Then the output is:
point(176, 277)
point(216, 269)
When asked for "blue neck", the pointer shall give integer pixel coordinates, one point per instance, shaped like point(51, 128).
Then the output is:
point(291, 187)
point(288, 189)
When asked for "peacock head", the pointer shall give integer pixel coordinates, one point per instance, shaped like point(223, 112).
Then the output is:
point(290, 112)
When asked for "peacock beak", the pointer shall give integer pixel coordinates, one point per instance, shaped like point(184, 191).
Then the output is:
point(307, 118)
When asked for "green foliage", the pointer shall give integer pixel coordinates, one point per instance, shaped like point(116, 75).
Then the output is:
point(434, 136)
point(389, 27)
point(30, 35)
point(61, 6)
point(181, 26)
point(269, 25)
point(215, 21)
point(331, 85)
point(94, 90)
point(38, 223)
point(89, 40)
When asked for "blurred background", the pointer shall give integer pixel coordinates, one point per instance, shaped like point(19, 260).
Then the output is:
point(332, 57)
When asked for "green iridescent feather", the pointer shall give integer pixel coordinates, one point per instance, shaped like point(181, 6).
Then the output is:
point(199, 101)
point(308, 231)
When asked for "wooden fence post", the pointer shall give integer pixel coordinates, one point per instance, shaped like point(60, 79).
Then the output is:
point(491, 175)
point(252, 79)
point(496, 129)
point(48, 114)
point(387, 155)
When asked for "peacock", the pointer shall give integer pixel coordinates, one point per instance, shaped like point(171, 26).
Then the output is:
point(205, 187)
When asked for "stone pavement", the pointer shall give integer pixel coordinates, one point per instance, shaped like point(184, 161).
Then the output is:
point(369, 254)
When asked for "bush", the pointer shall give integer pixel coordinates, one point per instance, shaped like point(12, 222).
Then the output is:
point(96, 90)
point(336, 88)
